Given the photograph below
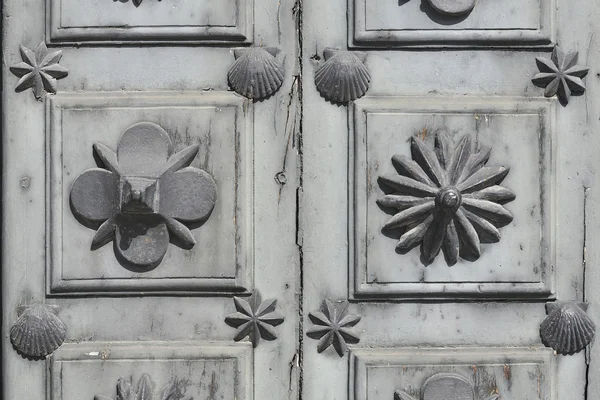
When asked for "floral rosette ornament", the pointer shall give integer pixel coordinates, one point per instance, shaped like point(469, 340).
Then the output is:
point(143, 194)
point(446, 199)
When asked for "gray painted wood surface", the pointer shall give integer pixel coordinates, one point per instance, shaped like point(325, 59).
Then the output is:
point(296, 217)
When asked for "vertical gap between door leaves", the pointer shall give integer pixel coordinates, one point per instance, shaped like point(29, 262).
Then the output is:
point(298, 12)
point(584, 283)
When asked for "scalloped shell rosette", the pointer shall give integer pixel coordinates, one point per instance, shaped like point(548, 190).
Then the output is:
point(343, 77)
point(567, 328)
point(256, 73)
point(38, 332)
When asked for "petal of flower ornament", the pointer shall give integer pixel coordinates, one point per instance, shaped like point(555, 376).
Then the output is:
point(334, 327)
point(141, 241)
point(181, 199)
point(255, 319)
point(447, 200)
point(144, 150)
point(95, 196)
point(560, 75)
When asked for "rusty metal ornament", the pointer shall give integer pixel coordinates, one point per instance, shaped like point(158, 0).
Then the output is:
point(256, 73)
point(560, 75)
point(334, 327)
point(144, 390)
point(444, 386)
point(143, 194)
point(38, 331)
point(446, 199)
point(39, 70)
point(453, 7)
point(343, 77)
point(255, 319)
point(567, 328)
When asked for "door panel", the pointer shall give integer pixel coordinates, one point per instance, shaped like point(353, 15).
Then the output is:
point(169, 326)
point(425, 326)
point(412, 23)
point(199, 21)
point(428, 239)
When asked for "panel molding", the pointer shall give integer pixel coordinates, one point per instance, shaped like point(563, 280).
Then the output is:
point(361, 37)
point(241, 354)
point(242, 283)
point(360, 288)
point(58, 34)
point(363, 359)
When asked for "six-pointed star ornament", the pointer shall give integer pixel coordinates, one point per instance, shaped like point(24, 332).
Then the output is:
point(39, 70)
point(142, 194)
point(255, 319)
point(560, 75)
point(446, 199)
point(334, 326)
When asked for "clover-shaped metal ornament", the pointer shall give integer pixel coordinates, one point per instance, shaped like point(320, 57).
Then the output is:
point(445, 387)
point(143, 194)
point(453, 7)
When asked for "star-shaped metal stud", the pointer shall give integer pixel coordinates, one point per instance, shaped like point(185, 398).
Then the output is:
point(39, 70)
point(254, 319)
point(560, 75)
point(333, 326)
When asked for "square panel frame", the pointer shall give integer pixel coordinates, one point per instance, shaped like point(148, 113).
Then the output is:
point(106, 352)
point(361, 359)
point(242, 33)
point(360, 37)
point(359, 289)
point(56, 285)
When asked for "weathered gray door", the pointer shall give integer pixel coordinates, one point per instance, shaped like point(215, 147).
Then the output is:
point(452, 202)
point(121, 152)
point(299, 199)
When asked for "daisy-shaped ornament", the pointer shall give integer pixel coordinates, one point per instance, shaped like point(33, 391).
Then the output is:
point(560, 75)
point(39, 70)
point(143, 194)
point(446, 199)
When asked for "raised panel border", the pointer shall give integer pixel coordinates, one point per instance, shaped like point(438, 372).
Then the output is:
point(358, 286)
point(360, 37)
point(362, 358)
point(56, 285)
point(154, 351)
point(243, 33)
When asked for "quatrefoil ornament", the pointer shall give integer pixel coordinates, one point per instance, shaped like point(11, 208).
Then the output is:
point(142, 195)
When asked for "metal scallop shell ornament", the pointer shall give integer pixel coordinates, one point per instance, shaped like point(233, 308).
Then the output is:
point(38, 332)
point(567, 328)
point(453, 7)
point(343, 77)
point(256, 73)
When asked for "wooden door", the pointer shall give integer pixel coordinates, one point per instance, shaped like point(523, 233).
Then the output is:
point(447, 211)
point(149, 210)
